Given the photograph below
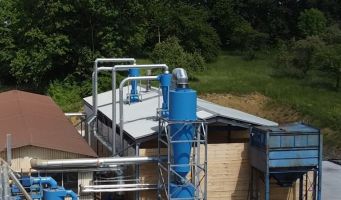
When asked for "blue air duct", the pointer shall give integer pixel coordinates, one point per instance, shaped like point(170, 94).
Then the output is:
point(165, 83)
point(59, 194)
point(134, 96)
point(182, 113)
point(44, 180)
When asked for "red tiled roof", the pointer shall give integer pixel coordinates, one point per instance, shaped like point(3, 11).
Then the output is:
point(36, 120)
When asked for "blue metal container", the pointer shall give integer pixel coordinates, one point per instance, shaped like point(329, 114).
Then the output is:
point(182, 192)
point(134, 96)
point(286, 152)
point(182, 108)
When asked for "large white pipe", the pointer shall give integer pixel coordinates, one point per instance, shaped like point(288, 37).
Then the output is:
point(121, 101)
point(118, 189)
point(117, 186)
point(89, 162)
point(114, 69)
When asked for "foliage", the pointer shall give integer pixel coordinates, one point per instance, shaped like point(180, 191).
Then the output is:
point(329, 60)
point(171, 53)
point(189, 23)
point(232, 74)
point(67, 95)
point(312, 22)
point(304, 53)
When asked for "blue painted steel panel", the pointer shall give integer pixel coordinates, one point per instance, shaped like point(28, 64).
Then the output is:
point(293, 162)
point(293, 154)
point(287, 141)
point(313, 140)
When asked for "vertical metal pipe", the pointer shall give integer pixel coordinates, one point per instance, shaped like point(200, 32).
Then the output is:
point(301, 188)
point(267, 173)
point(9, 148)
point(137, 170)
point(113, 116)
point(121, 102)
point(319, 194)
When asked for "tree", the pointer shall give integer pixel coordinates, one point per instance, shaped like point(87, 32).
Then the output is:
point(171, 53)
point(312, 22)
point(328, 59)
point(187, 22)
point(304, 52)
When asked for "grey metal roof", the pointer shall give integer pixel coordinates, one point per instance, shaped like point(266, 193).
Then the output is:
point(140, 118)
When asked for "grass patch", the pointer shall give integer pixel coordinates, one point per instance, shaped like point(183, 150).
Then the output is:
point(232, 74)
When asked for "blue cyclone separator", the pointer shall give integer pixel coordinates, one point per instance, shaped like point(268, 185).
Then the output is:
point(179, 191)
point(182, 107)
point(134, 96)
point(165, 83)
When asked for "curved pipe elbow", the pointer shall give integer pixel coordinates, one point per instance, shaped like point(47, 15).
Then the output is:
point(45, 180)
point(71, 194)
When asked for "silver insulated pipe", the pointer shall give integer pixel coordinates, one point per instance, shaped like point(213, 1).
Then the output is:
point(89, 162)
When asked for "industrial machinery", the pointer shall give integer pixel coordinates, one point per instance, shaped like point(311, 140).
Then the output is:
point(287, 153)
point(41, 188)
point(183, 174)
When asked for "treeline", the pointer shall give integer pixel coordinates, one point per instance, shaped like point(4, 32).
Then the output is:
point(44, 42)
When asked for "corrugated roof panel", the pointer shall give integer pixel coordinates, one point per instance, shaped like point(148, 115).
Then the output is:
point(140, 119)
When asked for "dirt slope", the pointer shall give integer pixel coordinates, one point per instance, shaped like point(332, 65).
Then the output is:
point(256, 104)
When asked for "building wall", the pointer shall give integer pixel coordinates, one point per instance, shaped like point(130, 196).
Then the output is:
point(228, 174)
point(21, 161)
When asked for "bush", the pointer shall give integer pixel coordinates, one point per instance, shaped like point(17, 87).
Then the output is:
point(171, 53)
point(311, 22)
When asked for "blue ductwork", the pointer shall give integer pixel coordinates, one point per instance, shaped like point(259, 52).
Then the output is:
point(134, 96)
point(71, 194)
point(35, 188)
point(44, 180)
point(165, 83)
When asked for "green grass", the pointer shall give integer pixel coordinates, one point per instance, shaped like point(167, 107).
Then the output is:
point(232, 74)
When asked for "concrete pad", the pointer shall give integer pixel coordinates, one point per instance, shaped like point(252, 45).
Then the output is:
point(331, 181)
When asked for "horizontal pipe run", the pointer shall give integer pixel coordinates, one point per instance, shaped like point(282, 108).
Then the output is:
point(117, 186)
point(146, 66)
point(94, 162)
point(72, 114)
point(98, 60)
point(118, 189)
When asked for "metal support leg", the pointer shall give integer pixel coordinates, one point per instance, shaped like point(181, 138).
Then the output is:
point(267, 186)
point(137, 171)
point(301, 188)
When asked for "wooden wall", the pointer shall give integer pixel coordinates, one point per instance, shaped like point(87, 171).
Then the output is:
point(228, 175)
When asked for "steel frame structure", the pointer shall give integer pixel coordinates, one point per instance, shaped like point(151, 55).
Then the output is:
point(198, 163)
